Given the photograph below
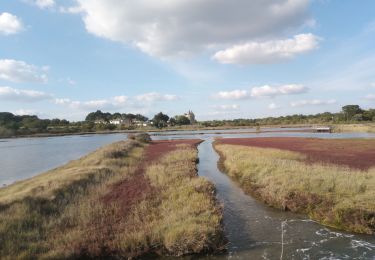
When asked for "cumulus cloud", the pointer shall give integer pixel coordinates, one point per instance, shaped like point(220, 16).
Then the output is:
point(313, 102)
point(22, 95)
point(20, 71)
point(269, 51)
point(42, 4)
point(154, 96)
point(263, 91)
point(268, 91)
point(234, 94)
point(10, 24)
point(171, 28)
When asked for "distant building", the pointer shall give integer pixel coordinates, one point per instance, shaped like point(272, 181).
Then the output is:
point(190, 115)
point(100, 121)
point(141, 123)
point(117, 121)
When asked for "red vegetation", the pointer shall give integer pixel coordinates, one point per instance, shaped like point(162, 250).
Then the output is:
point(130, 191)
point(354, 153)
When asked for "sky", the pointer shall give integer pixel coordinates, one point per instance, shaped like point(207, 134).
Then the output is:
point(221, 59)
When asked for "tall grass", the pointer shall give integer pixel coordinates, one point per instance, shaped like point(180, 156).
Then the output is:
point(33, 211)
point(334, 195)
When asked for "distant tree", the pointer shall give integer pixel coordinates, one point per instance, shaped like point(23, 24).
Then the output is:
point(182, 120)
point(141, 117)
point(160, 120)
point(172, 121)
point(116, 116)
point(351, 110)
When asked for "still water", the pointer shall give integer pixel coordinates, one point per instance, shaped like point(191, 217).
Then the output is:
point(254, 231)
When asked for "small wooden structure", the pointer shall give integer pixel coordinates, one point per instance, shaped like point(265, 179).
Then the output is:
point(323, 129)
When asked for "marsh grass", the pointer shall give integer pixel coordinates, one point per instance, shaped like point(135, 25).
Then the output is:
point(61, 214)
point(336, 196)
point(184, 218)
point(33, 211)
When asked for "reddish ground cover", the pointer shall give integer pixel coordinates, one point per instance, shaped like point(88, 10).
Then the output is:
point(355, 153)
point(130, 191)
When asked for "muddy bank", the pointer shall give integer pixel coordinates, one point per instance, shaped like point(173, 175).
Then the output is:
point(354, 153)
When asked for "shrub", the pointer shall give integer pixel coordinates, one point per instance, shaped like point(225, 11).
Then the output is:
point(143, 137)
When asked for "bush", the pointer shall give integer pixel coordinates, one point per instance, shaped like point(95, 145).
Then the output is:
point(143, 137)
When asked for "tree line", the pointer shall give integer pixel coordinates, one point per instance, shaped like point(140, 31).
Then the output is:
point(14, 125)
point(348, 114)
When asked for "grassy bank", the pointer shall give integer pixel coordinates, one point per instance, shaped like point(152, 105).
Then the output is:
point(334, 195)
point(363, 128)
point(114, 202)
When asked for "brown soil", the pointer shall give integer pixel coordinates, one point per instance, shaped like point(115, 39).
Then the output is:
point(130, 191)
point(354, 153)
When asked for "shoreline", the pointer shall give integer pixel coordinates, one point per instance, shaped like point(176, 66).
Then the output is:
point(333, 195)
point(337, 128)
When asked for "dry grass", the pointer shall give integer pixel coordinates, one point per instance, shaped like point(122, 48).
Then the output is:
point(365, 128)
point(61, 214)
point(32, 211)
point(335, 196)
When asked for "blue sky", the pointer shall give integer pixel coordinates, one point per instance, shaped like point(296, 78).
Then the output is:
point(222, 59)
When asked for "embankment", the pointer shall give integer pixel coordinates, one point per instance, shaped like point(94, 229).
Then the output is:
point(333, 181)
point(128, 199)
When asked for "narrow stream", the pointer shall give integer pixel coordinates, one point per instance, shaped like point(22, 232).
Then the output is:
point(256, 231)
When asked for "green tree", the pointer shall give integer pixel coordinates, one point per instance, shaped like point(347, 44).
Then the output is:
point(351, 110)
point(160, 120)
point(182, 120)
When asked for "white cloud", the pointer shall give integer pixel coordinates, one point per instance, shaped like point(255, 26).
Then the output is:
point(116, 102)
point(273, 106)
point(42, 4)
point(370, 97)
point(235, 94)
point(232, 107)
point(22, 95)
point(268, 91)
point(10, 24)
point(154, 96)
point(20, 71)
point(170, 28)
point(22, 112)
point(70, 10)
point(263, 91)
point(269, 51)
point(313, 102)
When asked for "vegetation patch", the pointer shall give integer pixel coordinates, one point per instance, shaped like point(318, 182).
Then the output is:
point(354, 153)
point(334, 195)
point(115, 202)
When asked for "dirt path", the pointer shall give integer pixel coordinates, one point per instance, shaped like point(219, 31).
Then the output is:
point(354, 153)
